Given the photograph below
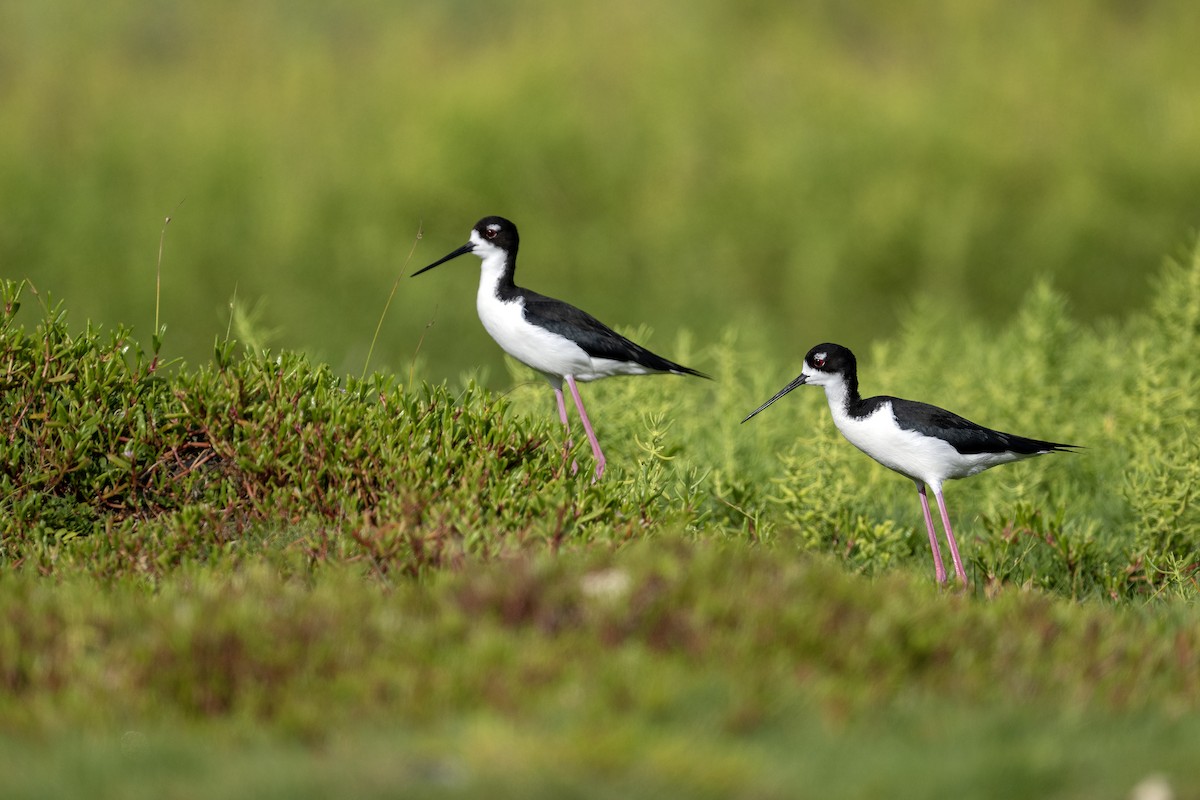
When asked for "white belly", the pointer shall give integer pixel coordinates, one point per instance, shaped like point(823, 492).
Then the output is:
point(924, 458)
point(534, 347)
point(552, 355)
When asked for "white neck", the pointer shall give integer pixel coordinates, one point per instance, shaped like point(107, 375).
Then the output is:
point(838, 395)
point(490, 271)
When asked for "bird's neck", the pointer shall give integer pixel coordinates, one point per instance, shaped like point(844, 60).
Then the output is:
point(496, 278)
point(843, 396)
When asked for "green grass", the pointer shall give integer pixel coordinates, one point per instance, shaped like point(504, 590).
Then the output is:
point(106, 444)
point(703, 670)
point(254, 576)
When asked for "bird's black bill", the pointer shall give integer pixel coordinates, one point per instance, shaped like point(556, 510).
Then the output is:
point(466, 248)
point(800, 381)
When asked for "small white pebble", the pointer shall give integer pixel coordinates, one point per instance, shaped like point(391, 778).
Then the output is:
point(1152, 787)
point(607, 583)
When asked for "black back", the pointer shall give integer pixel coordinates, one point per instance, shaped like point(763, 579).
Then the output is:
point(963, 435)
point(593, 336)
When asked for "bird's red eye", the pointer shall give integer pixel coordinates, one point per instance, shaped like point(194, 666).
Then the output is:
point(818, 361)
point(492, 231)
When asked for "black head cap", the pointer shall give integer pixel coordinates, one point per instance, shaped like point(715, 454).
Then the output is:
point(500, 232)
point(832, 358)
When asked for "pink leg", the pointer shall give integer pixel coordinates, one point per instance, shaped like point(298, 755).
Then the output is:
point(939, 570)
point(958, 566)
point(562, 414)
point(587, 426)
point(562, 406)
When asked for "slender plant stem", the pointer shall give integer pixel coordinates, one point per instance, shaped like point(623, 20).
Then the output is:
point(388, 304)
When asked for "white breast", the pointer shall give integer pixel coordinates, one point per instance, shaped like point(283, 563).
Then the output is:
point(919, 457)
point(550, 354)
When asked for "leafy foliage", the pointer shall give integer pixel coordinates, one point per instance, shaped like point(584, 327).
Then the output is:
point(115, 460)
point(1117, 519)
point(158, 465)
point(233, 545)
point(1164, 473)
point(731, 654)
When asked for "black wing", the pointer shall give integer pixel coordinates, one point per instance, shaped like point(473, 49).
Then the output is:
point(963, 435)
point(597, 339)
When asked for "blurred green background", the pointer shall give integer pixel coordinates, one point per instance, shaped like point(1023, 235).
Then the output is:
point(797, 171)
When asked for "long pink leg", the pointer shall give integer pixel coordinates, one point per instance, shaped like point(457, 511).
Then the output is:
point(562, 406)
point(562, 414)
point(958, 566)
point(587, 426)
point(933, 542)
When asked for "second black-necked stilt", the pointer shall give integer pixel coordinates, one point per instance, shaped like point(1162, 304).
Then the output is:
point(554, 338)
point(927, 444)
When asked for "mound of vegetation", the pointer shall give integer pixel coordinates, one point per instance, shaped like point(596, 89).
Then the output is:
point(120, 463)
point(259, 544)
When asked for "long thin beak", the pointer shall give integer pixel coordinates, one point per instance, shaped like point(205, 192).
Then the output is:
point(466, 248)
point(801, 379)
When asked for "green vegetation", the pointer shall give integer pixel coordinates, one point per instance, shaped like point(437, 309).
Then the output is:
point(252, 560)
point(690, 668)
point(227, 568)
point(104, 444)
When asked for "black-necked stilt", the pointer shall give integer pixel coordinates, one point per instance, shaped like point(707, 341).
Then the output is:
point(927, 444)
point(550, 336)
